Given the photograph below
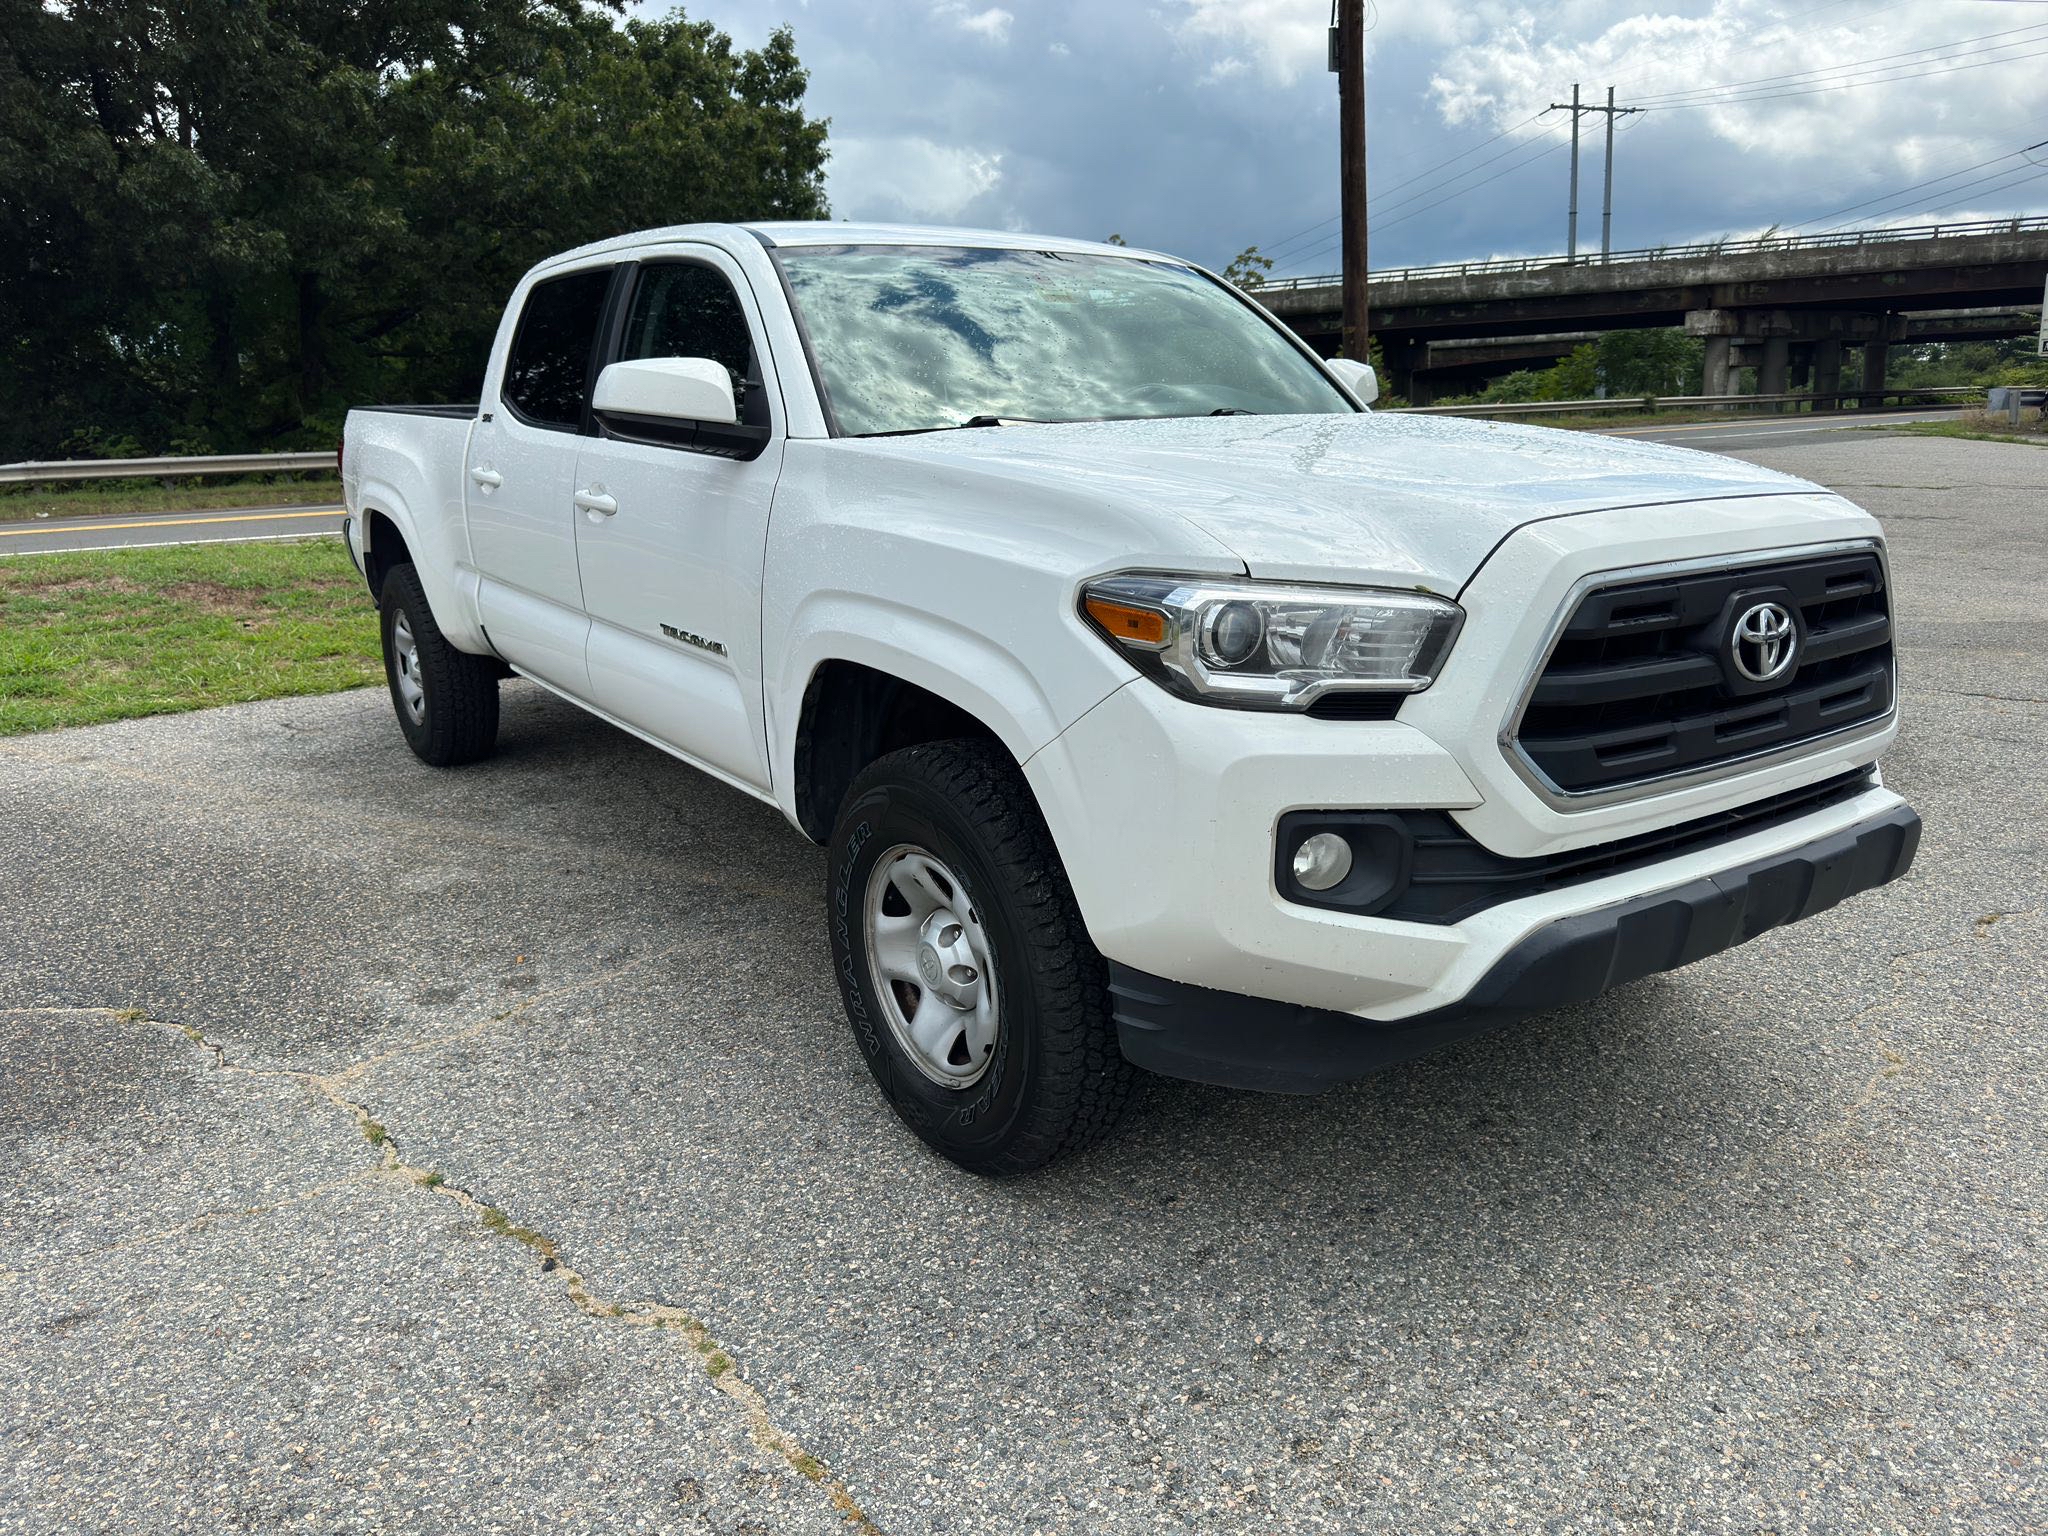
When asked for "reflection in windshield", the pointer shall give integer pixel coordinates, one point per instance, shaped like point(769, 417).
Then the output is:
point(908, 338)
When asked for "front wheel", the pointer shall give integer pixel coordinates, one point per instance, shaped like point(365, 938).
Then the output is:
point(973, 990)
point(446, 700)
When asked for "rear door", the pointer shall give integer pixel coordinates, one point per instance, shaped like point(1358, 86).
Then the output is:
point(672, 527)
point(522, 464)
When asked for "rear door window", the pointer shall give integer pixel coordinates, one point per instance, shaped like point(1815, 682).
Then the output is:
point(547, 377)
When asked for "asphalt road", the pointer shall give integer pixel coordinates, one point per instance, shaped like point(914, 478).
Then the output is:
point(485, 1151)
point(140, 530)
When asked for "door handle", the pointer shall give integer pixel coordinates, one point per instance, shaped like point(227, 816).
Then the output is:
point(489, 479)
point(595, 502)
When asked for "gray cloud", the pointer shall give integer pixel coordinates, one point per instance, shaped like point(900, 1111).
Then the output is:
point(1202, 126)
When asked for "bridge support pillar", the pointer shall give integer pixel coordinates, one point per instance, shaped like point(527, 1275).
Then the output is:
point(1777, 360)
point(1719, 376)
point(1875, 356)
point(1827, 372)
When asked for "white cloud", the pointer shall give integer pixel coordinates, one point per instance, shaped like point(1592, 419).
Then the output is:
point(1925, 108)
point(909, 178)
point(1291, 38)
point(993, 23)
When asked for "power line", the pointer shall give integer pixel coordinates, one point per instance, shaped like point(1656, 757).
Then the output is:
point(1857, 66)
point(1886, 197)
point(1410, 181)
point(1846, 85)
point(2009, 178)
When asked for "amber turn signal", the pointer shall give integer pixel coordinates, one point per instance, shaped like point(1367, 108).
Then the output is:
point(1121, 621)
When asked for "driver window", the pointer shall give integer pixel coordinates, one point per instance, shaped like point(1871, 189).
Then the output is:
point(683, 310)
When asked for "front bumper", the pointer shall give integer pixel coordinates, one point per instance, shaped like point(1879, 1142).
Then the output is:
point(1165, 811)
point(1218, 1037)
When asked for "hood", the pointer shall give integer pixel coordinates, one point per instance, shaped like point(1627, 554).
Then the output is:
point(1412, 500)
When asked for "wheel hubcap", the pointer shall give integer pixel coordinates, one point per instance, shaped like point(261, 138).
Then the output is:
point(930, 960)
point(405, 651)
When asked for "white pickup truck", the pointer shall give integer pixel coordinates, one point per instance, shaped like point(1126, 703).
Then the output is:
point(1159, 705)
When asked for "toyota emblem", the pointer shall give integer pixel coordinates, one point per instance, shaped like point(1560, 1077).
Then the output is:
point(1765, 642)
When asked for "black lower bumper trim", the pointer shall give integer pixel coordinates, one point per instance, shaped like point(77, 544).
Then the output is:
point(1180, 1030)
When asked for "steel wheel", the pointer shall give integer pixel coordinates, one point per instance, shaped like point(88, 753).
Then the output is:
point(933, 966)
point(412, 692)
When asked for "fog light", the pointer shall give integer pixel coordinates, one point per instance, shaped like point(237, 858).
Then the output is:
point(1322, 860)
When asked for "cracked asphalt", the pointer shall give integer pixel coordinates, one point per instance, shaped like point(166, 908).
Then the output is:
point(394, 1150)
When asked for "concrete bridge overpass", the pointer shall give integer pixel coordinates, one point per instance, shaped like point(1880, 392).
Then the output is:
point(1786, 306)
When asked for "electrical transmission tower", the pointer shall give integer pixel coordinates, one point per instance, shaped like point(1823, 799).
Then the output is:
point(1607, 200)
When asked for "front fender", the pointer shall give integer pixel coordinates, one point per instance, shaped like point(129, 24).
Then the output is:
point(940, 654)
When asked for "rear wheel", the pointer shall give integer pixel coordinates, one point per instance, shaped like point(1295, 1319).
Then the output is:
point(446, 700)
point(974, 993)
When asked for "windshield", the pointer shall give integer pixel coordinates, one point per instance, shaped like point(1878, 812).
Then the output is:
point(912, 338)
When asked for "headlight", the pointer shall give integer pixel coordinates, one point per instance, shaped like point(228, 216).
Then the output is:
point(1266, 645)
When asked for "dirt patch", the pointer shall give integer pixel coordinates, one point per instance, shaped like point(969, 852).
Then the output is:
point(23, 578)
point(212, 596)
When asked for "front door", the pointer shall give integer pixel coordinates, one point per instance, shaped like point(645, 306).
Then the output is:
point(670, 536)
point(520, 482)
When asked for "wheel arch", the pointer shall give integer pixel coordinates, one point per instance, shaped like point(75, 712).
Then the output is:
point(852, 713)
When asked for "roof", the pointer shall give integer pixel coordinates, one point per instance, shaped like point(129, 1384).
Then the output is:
point(825, 232)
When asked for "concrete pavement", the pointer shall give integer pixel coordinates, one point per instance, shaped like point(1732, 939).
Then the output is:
point(485, 1151)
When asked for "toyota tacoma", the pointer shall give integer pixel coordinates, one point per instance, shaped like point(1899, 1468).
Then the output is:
point(1159, 705)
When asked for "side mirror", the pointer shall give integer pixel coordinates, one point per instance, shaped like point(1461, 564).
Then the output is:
point(667, 389)
point(1356, 377)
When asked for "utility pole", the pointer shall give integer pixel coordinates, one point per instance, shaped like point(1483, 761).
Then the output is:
point(1607, 192)
point(1607, 200)
point(1571, 248)
point(1347, 61)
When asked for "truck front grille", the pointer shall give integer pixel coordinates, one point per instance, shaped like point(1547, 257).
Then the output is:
point(1644, 681)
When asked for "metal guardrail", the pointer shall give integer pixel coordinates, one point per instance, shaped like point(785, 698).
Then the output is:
point(39, 470)
point(1670, 402)
point(1671, 252)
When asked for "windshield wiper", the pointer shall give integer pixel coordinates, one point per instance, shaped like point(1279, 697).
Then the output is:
point(955, 426)
point(1231, 410)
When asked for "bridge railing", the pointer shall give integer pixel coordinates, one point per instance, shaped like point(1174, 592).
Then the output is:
point(1708, 249)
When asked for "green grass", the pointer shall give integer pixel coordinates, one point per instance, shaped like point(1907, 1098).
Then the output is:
point(99, 498)
point(1983, 427)
point(110, 635)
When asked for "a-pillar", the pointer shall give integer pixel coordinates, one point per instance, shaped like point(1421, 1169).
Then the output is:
point(1718, 378)
point(1874, 358)
point(1777, 360)
point(1827, 373)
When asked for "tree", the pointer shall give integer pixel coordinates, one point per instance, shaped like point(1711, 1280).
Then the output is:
point(222, 221)
point(1248, 269)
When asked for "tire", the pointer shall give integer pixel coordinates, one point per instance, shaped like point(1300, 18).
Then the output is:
point(957, 815)
point(446, 700)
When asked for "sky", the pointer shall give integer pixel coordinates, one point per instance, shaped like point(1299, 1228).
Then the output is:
point(1204, 126)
